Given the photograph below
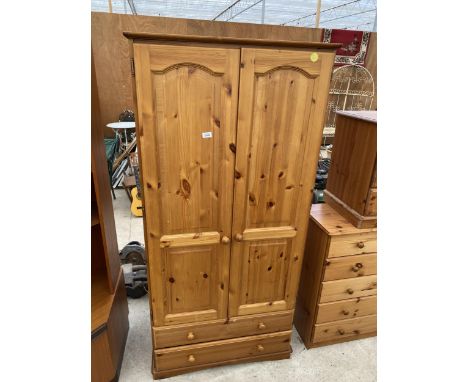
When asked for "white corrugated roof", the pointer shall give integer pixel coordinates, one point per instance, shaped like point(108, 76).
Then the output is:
point(336, 14)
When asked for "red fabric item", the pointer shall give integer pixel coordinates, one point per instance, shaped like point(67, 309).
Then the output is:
point(354, 48)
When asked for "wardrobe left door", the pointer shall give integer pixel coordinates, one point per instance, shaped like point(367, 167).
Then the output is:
point(187, 113)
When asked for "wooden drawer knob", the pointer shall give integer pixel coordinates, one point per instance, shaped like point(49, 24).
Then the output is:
point(191, 358)
point(238, 237)
point(190, 336)
point(260, 348)
point(341, 332)
point(355, 269)
point(225, 240)
point(350, 291)
point(261, 325)
point(345, 312)
point(360, 244)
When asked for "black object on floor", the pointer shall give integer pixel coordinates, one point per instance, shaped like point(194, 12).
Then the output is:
point(133, 260)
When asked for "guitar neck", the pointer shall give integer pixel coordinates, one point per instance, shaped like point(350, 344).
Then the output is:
point(136, 172)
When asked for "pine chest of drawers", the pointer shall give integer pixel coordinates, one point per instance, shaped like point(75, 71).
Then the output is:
point(337, 297)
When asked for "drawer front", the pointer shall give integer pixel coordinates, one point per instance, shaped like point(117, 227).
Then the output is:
point(218, 351)
point(345, 329)
point(355, 244)
point(168, 336)
point(345, 309)
point(344, 289)
point(350, 266)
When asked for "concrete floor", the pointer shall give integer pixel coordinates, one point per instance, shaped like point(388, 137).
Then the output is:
point(351, 361)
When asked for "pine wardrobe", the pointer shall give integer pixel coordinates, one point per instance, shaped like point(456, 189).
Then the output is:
point(229, 132)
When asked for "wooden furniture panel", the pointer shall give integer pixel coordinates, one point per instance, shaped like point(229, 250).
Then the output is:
point(283, 95)
point(345, 329)
point(225, 189)
point(218, 351)
point(350, 266)
point(109, 310)
point(356, 244)
point(111, 51)
point(344, 309)
point(343, 289)
point(338, 281)
point(371, 204)
point(353, 168)
point(217, 330)
point(187, 104)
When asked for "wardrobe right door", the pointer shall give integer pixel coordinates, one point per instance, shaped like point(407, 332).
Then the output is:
point(282, 101)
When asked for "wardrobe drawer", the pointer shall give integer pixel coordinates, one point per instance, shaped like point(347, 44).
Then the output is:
point(350, 266)
point(348, 288)
point(218, 351)
point(345, 328)
point(340, 310)
point(168, 336)
point(355, 244)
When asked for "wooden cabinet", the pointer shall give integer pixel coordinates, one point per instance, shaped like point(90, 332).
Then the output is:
point(226, 133)
point(337, 298)
point(109, 309)
point(352, 178)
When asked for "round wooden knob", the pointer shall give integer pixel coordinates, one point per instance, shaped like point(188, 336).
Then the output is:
point(355, 269)
point(190, 336)
point(260, 348)
point(345, 312)
point(360, 244)
point(225, 240)
point(261, 325)
point(341, 331)
point(191, 358)
point(350, 291)
point(238, 237)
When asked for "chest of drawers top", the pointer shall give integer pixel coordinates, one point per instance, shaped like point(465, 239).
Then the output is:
point(334, 224)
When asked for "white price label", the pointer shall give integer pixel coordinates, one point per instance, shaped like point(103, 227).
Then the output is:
point(207, 134)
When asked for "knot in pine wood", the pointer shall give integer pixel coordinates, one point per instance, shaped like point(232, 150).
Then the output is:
point(185, 188)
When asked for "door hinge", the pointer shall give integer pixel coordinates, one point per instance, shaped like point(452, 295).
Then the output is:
point(132, 66)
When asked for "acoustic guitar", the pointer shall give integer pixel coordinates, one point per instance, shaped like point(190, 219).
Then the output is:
point(137, 205)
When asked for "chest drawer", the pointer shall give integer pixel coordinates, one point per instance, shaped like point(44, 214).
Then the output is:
point(216, 330)
point(340, 310)
point(218, 351)
point(344, 289)
point(355, 244)
point(350, 266)
point(345, 329)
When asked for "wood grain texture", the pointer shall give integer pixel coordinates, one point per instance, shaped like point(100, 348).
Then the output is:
point(338, 281)
point(371, 203)
point(358, 220)
point(347, 288)
point(352, 174)
point(281, 109)
point(189, 239)
point(218, 351)
point(354, 244)
point(308, 294)
point(353, 161)
point(350, 266)
point(187, 179)
point(102, 193)
point(345, 309)
point(254, 358)
point(176, 335)
point(112, 54)
point(345, 328)
point(102, 367)
point(333, 223)
point(109, 329)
